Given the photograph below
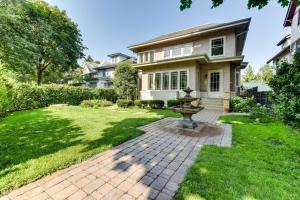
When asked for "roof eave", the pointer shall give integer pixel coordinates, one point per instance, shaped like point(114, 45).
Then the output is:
point(227, 25)
point(290, 13)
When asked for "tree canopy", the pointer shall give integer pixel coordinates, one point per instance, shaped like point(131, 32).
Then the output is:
point(265, 73)
point(185, 4)
point(286, 91)
point(249, 74)
point(38, 39)
point(125, 80)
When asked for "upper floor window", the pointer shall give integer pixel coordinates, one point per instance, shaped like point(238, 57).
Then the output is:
point(217, 47)
point(145, 57)
point(178, 51)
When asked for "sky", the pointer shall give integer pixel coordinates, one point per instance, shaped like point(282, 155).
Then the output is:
point(110, 26)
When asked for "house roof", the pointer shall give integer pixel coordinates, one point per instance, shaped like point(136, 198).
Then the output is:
point(261, 87)
point(286, 50)
point(118, 54)
point(284, 39)
point(290, 13)
point(192, 31)
point(105, 65)
point(89, 67)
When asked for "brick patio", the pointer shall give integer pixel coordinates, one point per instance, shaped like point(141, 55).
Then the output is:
point(148, 167)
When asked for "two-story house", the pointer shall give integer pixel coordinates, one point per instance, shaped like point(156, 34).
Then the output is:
point(101, 75)
point(206, 58)
point(290, 43)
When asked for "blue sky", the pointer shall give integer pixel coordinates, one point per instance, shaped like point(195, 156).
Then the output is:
point(109, 26)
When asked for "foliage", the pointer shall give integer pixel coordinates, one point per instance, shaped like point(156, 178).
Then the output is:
point(96, 103)
point(265, 73)
point(261, 113)
point(263, 163)
point(125, 80)
point(286, 91)
point(25, 96)
point(41, 141)
point(37, 39)
point(156, 104)
point(138, 103)
point(145, 103)
point(173, 102)
point(124, 103)
point(238, 104)
point(5, 92)
point(185, 4)
point(250, 75)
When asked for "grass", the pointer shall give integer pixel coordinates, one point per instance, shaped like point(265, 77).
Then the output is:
point(37, 142)
point(262, 164)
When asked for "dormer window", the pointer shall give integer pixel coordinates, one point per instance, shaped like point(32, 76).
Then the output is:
point(217, 46)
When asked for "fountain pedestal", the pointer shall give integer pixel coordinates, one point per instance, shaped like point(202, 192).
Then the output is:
point(187, 110)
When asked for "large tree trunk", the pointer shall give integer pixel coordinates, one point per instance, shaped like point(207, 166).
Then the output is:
point(39, 75)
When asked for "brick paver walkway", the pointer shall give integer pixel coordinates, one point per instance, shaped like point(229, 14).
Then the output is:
point(148, 167)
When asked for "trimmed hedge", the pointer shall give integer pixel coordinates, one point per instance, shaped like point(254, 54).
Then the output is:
point(27, 96)
point(96, 103)
point(172, 103)
point(156, 104)
point(124, 103)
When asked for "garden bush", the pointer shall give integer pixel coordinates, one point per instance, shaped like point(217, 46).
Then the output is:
point(145, 103)
point(5, 95)
point(173, 102)
point(156, 104)
point(28, 96)
point(261, 113)
point(96, 103)
point(137, 103)
point(124, 103)
point(238, 104)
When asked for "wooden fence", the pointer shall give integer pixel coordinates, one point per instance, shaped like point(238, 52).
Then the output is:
point(261, 97)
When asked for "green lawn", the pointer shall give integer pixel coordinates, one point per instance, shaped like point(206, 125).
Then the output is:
point(36, 142)
point(263, 164)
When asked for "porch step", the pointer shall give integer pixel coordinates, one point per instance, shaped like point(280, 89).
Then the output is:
point(212, 103)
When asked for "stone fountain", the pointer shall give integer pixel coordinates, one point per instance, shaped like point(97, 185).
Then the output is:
point(187, 110)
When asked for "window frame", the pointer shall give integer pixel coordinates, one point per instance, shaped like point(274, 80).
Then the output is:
point(148, 82)
point(237, 84)
point(224, 46)
point(162, 72)
point(144, 53)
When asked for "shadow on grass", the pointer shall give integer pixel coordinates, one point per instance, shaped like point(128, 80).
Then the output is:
point(32, 134)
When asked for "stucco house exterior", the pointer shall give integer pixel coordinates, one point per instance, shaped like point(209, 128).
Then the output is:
point(290, 43)
point(101, 75)
point(207, 58)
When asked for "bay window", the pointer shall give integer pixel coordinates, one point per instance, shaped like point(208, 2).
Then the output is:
point(166, 78)
point(150, 81)
point(174, 80)
point(157, 81)
point(183, 79)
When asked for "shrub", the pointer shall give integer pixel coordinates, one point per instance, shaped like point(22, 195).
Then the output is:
point(238, 104)
point(29, 96)
point(145, 103)
point(156, 104)
point(124, 103)
point(172, 103)
point(96, 103)
point(261, 113)
point(137, 103)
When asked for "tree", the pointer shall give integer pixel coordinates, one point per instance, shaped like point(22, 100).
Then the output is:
point(38, 39)
point(90, 59)
point(249, 74)
point(286, 91)
point(185, 4)
point(265, 73)
point(125, 80)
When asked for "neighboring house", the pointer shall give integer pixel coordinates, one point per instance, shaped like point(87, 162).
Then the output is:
point(206, 58)
point(290, 43)
point(101, 75)
point(261, 87)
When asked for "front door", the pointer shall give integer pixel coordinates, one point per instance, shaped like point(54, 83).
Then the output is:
point(215, 83)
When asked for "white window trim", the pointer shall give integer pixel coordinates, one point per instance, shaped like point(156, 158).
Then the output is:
point(144, 53)
point(224, 46)
point(181, 46)
point(168, 71)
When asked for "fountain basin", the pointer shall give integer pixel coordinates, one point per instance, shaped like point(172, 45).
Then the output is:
point(187, 121)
